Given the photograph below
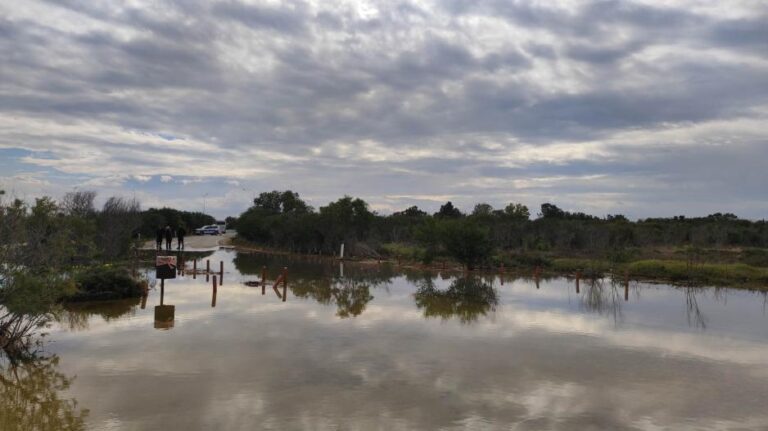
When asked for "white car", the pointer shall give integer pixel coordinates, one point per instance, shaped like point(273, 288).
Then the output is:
point(208, 230)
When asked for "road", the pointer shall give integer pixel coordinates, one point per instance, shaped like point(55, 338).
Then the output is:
point(198, 242)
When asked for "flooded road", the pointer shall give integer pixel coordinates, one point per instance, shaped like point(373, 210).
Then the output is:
point(369, 347)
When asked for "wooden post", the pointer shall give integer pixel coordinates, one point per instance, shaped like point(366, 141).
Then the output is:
point(194, 269)
point(263, 279)
point(207, 265)
point(213, 299)
point(214, 282)
point(162, 290)
point(221, 272)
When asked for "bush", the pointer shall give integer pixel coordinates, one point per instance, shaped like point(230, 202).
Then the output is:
point(30, 294)
point(467, 242)
point(106, 283)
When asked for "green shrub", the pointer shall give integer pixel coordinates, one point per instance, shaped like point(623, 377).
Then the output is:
point(31, 294)
point(105, 283)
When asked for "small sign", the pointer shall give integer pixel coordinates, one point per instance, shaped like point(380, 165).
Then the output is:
point(165, 267)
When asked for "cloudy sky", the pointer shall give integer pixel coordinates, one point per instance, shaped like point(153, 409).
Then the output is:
point(636, 107)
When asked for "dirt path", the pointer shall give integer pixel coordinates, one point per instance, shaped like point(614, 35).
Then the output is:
point(198, 242)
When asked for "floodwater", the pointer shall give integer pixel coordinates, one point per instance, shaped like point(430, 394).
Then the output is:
point(369, 347)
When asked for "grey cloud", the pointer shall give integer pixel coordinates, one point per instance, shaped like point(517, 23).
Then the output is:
point(282, 19)
point(295, 79)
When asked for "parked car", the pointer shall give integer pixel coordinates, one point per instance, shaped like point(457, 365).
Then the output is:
point(208, 230)
point(222, 226)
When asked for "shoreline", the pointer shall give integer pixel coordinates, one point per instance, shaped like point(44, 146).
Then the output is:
point(675, 272)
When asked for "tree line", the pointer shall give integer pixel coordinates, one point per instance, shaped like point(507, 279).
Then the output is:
point(282, 219)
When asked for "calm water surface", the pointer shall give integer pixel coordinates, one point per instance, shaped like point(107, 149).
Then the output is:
point(369, 347)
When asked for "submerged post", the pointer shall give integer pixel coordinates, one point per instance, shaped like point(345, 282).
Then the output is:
point(578, 278)
point(214, 283)
point(263, 279)
point(213, 299)
point(626, 285)
point(221, 272)
point(207, 265)
point(194, 269)
point(285, 283)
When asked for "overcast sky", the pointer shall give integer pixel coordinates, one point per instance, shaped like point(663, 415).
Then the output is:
point(637, 107)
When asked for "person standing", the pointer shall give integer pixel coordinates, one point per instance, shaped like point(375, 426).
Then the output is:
point(168, 237)
point(159, 237)
point(180, 234)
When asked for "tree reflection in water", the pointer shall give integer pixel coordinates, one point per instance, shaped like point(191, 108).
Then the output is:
point(31, 400)
point(466, 298)
point(693, 312)
point(351, 293)
point(604, 297)
point(77, 315)
point(30, 384)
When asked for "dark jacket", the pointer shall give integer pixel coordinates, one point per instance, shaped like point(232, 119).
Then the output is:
point(181, 233)
point(168, 234)
point(159, 234)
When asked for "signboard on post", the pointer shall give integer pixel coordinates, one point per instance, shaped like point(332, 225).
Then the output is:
point(165, 267)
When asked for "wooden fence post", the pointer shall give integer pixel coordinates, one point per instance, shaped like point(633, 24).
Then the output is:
point(263, 279)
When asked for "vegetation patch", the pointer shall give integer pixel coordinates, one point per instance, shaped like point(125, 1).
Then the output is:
point(105, 283)
point(587, 267)
point(704, 273)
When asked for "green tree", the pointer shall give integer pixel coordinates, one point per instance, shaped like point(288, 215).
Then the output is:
point(482, 210)
point(447, 210)
point(467, 242)
point(517, 211)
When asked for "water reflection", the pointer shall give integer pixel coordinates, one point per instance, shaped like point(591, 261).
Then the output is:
point(30, 384)
point(509, 357)
point(350, 295)
point(30, 391)
point(324, 281)
point(76, 316)
point(604, 297)
point(466, 298)
point(693, 312)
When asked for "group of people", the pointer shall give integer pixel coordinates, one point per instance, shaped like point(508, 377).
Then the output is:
point(167, 233)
